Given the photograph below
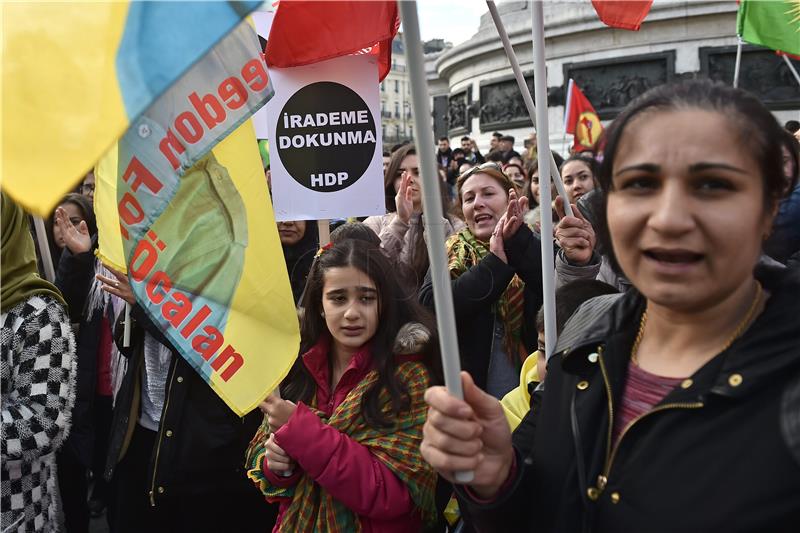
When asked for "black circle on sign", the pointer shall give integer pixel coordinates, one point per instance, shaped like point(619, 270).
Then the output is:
point(325, 162)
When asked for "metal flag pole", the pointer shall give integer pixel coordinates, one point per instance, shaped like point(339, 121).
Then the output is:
point(44, 249)
point(738, 63)
point(535, 119)
point(567, 106)
point(543, 146)
point(431, 203)
point(791, 68)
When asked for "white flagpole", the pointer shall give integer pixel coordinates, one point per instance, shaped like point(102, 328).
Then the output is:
point(567, 106)
point(44, 249)
point(126, 332)
point(526, 97)
point(738, 63)
point(543, 145)
point(431, 203)
point(791, 68)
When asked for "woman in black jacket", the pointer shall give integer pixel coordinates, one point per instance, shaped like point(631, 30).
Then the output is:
point(673, 407)
point(495, 266)
point(300, 241)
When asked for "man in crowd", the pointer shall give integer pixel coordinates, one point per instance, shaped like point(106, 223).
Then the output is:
point(444, 155)
point(494, 141)
point(87, 185)
point(506, 147)
point(471, 153)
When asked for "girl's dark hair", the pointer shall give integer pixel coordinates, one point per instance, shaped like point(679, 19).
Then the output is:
point(585, 159)
point(355, 230)
point(87, 210)
point(394, 312)
point(756, 126)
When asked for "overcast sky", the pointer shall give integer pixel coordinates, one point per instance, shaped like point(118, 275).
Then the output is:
point(451, 20)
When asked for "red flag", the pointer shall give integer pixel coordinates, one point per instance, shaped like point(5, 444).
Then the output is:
point(581, 119)
point(305, 32)
point(622, 14)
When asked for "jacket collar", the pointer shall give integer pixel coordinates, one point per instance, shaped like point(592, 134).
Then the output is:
point(317, 362)
point(770, 346)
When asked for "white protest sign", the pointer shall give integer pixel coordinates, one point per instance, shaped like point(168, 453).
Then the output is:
point(325, 145)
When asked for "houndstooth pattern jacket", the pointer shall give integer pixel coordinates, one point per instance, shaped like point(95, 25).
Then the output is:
point(37, 373)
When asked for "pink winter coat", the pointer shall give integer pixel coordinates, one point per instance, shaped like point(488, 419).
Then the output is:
point(346, 469)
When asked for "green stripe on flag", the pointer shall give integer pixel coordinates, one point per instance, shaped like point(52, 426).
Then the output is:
point(774, 24)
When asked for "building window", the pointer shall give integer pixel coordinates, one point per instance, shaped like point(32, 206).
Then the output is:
point(396, 86)
point(383, 87)
point(396, 110)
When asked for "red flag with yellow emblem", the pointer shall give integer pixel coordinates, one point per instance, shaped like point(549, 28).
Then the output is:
point(581, 119)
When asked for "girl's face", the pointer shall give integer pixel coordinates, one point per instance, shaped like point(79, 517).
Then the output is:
point(516, 175)
point(686, 210)
point(578, 179)
point(350, 306)
point(483, 202)
point(410, 165)
point(535, 187)
point(75, 216)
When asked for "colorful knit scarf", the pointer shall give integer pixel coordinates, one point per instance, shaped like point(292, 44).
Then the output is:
point(464, 251)
point(312, 508)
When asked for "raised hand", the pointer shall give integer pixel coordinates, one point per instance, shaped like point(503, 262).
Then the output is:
point(77, 239)
point(468, 435)
point(118, 286)
point(405, 206)
point(514, 214)
point(574, 235)
point(496, 242)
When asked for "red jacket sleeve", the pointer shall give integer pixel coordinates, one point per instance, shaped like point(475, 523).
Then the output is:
point(343, 467)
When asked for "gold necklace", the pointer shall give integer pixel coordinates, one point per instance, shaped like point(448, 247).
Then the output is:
point(738, 331)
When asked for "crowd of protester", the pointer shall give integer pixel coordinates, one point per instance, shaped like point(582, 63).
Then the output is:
point(671, 401)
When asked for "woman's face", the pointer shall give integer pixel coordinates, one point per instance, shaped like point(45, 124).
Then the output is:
point(686, 212)
point(516, 175)
point(535, 186)
point(291, 232)
point(578, 179)
point(75, 216)
point(350, 306)
point(483, 202)
point(410, 164)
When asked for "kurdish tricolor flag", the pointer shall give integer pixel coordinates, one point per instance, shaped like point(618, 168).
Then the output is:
point(75, 75)
point(773, 24)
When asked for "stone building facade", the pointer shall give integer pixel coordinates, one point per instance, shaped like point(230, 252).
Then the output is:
point(474, 93)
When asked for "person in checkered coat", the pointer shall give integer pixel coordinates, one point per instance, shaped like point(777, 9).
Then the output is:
point(37, 376)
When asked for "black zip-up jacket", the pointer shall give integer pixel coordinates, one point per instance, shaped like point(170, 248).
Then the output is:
point(476, 291)
point(74, 279)
point(200, 444)
point(721, 452)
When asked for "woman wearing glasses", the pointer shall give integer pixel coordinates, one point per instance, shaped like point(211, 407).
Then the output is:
point(496, 269)
point(401, 229)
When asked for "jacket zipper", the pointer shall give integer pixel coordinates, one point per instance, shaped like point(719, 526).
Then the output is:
point(160, 438)
point(602, 479)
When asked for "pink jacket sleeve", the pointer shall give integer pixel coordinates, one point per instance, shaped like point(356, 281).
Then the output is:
point(280, 481)
point(343, 467)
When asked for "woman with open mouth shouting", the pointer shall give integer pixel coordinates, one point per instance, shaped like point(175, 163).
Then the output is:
point(496, 270)
point(675, 406)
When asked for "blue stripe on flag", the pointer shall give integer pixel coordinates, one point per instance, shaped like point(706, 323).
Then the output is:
point(162, 39)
